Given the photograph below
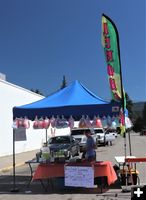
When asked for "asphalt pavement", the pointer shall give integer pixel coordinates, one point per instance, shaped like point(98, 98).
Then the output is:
point(8, 186)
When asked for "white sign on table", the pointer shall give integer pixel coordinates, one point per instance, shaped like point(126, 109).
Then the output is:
point(77, 176)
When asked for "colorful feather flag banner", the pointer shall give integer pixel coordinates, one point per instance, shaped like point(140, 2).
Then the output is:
point(111, 49)
point(110, 42)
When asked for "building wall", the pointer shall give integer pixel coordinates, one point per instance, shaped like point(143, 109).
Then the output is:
point(10, 96)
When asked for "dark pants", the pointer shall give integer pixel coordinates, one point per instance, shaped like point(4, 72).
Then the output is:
point(90, 158)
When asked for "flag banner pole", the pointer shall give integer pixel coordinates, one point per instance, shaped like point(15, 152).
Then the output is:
point(110, 42)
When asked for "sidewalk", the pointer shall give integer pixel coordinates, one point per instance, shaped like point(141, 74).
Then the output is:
point(20, 159)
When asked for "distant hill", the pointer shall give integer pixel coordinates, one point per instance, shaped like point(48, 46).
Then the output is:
point(138, 108)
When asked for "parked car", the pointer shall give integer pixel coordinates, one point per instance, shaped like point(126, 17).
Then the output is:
point(100, 135)
point(78, 134)
point(65, 144)
point(110, 136)
point(105, 137)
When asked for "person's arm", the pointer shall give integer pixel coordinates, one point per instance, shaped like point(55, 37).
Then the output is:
point(94, 144)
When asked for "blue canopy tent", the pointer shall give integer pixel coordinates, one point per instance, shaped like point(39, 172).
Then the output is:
point(75, 100)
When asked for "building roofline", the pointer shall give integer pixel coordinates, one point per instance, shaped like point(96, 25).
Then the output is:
point(19, 87)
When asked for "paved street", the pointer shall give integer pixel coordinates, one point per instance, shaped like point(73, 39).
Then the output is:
point(35, 191)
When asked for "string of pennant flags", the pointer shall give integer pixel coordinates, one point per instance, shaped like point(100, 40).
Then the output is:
point(61, 122)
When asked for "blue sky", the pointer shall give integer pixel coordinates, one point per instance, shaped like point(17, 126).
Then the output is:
point(42, 40)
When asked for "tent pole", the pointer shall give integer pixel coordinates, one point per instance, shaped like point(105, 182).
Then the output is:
point(46, 137)
point(14, 189)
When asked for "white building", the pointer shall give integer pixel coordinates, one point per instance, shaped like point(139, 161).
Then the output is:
point(12, 95)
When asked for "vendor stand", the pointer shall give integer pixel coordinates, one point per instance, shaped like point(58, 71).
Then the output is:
point(47, 171)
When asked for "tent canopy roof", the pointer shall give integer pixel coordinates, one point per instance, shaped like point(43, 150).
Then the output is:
point(74, 99)
point(72, 95)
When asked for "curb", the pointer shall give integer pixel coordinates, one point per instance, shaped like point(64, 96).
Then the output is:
point(6, 169)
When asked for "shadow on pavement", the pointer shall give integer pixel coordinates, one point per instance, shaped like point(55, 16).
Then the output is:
point(55, 186)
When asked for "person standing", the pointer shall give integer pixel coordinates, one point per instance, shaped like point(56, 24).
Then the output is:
point(90, 154)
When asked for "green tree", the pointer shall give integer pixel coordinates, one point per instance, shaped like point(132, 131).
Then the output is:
point(138, 124)
point(144, 115)
point(37, 91)
point(64, 83)
point(129, 106)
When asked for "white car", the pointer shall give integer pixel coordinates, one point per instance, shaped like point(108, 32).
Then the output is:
point(110, 136)
point(100, 135)
point(105, 137)
point(78, 134)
